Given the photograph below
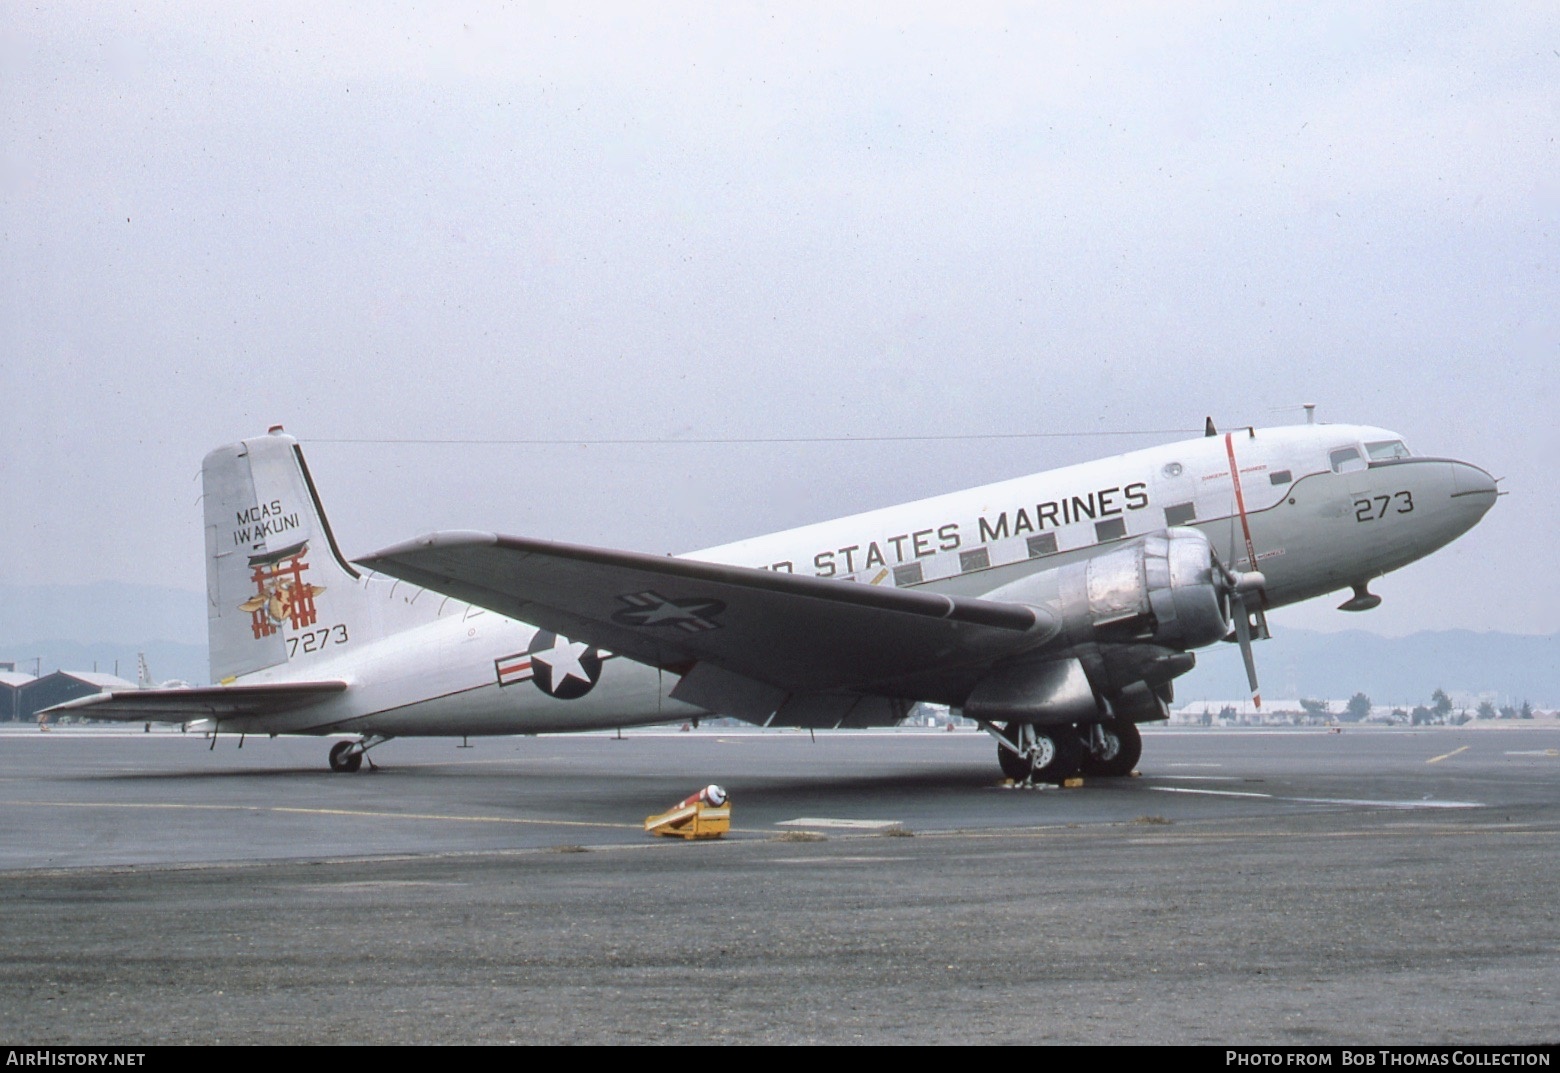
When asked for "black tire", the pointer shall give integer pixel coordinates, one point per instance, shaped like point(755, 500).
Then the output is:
point(1066, 758)
point(343, 759)
point(1123, 750)
point(1059, 752)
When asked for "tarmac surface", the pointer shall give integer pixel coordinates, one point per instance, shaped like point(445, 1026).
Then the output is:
point(1250, 888)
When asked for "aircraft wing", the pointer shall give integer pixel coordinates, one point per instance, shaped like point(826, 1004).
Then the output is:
point(743, 639)
point(207, 702)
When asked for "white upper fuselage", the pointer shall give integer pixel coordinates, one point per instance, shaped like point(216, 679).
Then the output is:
point(1319, 514)
point(1309, 532)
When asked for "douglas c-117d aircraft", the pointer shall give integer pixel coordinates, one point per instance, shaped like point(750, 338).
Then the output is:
point(1055, 610)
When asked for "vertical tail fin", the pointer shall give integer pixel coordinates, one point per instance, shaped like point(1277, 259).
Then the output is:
point(273, 571)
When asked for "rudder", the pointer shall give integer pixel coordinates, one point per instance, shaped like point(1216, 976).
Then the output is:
point(271, 559)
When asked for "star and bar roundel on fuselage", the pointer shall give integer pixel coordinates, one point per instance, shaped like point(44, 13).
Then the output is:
point(557, 666)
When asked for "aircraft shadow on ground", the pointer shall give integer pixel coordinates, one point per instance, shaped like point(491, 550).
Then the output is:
point(755, 786)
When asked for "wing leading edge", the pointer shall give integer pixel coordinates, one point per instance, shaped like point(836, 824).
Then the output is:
point(208, 702)
point(746, 641)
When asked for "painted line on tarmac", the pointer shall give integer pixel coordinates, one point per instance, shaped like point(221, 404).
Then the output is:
point(859, 825)
point(456, 819)
point(823, 859)
point(1443, 756)
point(296, 810)
point(1363, 802)
point(1532, 752)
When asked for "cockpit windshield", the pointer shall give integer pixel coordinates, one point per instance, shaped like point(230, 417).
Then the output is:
point(1386, 450)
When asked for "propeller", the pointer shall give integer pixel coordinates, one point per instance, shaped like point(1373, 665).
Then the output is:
point(1248, 589)
point(1256, 592)
point(1245, 593)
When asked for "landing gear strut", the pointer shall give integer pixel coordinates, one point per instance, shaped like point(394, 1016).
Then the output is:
point(1029, 753)
point(349, 755)
point(1038, 754)
point(1113, 749)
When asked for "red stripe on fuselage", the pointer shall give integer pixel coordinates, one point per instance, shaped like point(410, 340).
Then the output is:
point(1240, 503)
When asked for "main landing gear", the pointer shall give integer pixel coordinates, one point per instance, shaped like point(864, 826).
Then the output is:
point(1039, 754)
point(1030, 753)
point(349, 755)
point(1113, 749)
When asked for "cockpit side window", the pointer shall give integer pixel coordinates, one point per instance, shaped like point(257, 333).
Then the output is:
point(1346, 460)
point(1386, 450)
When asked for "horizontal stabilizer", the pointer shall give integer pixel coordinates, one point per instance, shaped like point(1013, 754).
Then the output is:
point(208, 702)
point(789, 631)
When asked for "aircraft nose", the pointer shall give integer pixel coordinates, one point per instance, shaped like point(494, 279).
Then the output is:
point(1473, 489)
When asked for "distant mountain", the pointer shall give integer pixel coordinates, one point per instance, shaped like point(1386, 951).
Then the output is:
point(100, 611)
point(79, 627)
point(108, 621)
point(1389, 670)
point(165, 659)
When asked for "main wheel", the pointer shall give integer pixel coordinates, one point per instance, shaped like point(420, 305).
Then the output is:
point(1057, 755)
point(1123, 747)
point(1046, 754)
point(342, 758)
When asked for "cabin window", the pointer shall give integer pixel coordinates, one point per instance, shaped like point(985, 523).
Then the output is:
point(1110, 529)
point(1044, 544)
point(1346, 460)
point(1280, 476)
point(1386, 450)
point(1180, 513)
point(909, 574)
point(978, 559)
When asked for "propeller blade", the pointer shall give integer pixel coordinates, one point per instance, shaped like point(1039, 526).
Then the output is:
point(1252, 581)
point(1245, 593)
point(1242, 619)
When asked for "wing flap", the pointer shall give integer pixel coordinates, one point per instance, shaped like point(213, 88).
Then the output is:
point(830, 711)
point(716, 689)
point(799, 634)
point(206, 702)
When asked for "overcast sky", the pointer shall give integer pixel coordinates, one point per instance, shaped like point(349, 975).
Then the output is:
point(577, 223)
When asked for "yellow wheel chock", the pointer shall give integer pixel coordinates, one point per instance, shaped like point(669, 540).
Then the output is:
point(706, 814)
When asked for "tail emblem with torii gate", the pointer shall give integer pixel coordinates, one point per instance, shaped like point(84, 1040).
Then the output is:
point(281, 593)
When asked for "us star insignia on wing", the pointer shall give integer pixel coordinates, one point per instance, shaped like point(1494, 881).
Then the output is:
point(652, 609)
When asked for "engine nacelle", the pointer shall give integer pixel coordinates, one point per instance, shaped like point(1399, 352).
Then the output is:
point(1124, 622)
point(1045, 692)
point(1164, 589)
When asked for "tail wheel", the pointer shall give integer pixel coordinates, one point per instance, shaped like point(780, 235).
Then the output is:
point(1115, 749)
point(343, 757)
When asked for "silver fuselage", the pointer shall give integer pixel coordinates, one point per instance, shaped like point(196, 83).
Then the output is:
point(1276, 500)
